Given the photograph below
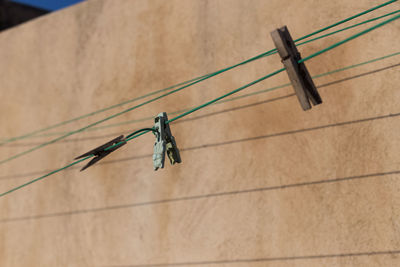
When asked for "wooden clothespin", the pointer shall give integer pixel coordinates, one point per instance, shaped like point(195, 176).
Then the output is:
point(298, 74)
point(100, 152)
point(165, 142)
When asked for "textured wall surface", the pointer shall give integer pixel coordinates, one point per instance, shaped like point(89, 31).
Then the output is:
point(262, 182)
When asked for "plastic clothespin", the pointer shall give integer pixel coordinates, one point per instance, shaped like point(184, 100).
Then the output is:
point(100, 151)
point(165, 142)
point(298, 74)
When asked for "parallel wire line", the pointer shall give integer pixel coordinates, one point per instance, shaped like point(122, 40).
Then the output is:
point(230, 142)
point(35, 133)
point(122, 112)
point(229, 99)
point(186, 85)
point(181, 88)
point(298, 44)
point(282, 69)
point(189, 81)
point(216, 99)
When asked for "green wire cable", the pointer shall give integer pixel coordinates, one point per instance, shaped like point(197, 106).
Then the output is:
point(217, 99)
point(223, 96)
point(280, 70)
point(349, 38)
point(286, 85)
point(348, 19)
point(268, 89)
point(34, 133)
point(272, 74)
point(349, 27)
point(274, 52)
point(188, 84)
point(314, 39)
point(253, 93)
point(136, 132)
point(122, 112)
point(44, 176)
point(314, 77)
point(344, 29)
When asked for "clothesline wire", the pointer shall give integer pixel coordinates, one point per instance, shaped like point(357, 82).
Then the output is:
point(298, 44)
point(178, 89)
point(247, 95)
point(190, 82)
point(217, 99)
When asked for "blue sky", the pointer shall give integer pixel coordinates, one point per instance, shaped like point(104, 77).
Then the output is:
point(49, 4)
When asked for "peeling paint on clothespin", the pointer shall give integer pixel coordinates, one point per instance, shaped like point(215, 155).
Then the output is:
point(165, 143)
point(298, 74)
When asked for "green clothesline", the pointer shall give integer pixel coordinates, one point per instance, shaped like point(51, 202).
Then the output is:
point(262, 91)
point(190, 82)
point(178, 89)
point(217, 99)
point(280, 70)
point(298, 44)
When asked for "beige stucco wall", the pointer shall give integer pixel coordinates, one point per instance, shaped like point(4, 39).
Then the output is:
point(262, 183)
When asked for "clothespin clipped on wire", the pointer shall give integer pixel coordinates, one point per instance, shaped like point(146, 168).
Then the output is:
point(298, 74)
point(102, 151)
point(165, 142)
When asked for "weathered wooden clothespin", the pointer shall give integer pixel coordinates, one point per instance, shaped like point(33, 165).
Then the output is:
point(165, 142)
point(102, 151)
point(298, 74)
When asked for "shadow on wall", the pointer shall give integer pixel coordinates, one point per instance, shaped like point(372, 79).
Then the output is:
point(224, 111)
point(204, 146)
point(197, 197)
point(221, 194)
point(292, 258)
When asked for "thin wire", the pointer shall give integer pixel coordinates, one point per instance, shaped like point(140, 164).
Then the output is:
point(258, 92)
point(219, 98)
point(44, 176)
point(314, 77)
point(352, 26)
point(124, 111)
point(280, 70)
point(264, 90)
point(274, 52)
point(348, 19)
point(350, 38)
point(186, 82)
point(269, 75)
point(349, 27)
point(138, 131)
point(35, 133)
point(195, 81)
point(223, 96)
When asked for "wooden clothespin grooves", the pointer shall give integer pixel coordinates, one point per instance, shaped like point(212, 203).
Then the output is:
point(100, 152)
point(298, 74)
point(165, 142)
